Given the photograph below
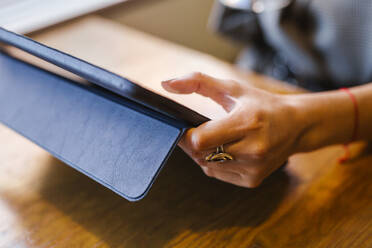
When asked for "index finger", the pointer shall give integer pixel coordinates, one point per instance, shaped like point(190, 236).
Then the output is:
point(215, 133)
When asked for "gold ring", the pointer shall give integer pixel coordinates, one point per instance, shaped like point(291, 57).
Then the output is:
point(219, 156)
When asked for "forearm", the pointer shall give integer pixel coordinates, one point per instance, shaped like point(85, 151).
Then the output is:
point(328, 118)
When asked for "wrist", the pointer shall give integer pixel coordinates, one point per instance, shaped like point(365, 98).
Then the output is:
point(322, 119)
point(305, 123)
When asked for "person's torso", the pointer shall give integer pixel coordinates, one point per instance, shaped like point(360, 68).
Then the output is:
point(322, 44)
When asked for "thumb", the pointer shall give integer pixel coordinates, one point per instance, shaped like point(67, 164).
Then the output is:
point(221, 91)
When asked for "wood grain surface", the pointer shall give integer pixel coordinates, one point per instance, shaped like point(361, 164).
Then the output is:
point(313, 202)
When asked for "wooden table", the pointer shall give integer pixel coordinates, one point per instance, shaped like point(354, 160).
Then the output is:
point(314, 202)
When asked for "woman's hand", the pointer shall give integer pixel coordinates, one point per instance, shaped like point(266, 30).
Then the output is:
point(260, 131)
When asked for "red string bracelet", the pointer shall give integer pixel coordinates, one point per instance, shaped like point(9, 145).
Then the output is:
point(346, 156)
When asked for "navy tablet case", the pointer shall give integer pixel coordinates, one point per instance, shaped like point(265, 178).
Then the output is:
point(111, 129)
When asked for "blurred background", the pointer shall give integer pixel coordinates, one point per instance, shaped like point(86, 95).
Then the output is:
point(181, 21)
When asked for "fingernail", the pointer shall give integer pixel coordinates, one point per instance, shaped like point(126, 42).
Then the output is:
point(168, 81)
point(167, 85)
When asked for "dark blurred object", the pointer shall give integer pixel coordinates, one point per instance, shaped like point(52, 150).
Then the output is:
point(256, 6)
point(318, 45)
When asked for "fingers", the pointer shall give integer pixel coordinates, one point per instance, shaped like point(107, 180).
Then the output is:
point(199, 158)
point(241, 171)
point(250, 149)
point(244, 163)
point(223, 175)
point(204, 140)
point(201, 84)
point(233, 178)
point(218, 90)
point(215, 133)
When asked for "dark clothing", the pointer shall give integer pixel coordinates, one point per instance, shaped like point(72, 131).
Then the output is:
point(317, 44)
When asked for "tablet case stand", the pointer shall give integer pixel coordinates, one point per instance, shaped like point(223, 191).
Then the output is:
point(112, 130)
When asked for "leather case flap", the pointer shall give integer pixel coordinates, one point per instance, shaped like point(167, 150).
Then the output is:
point(97, 134)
